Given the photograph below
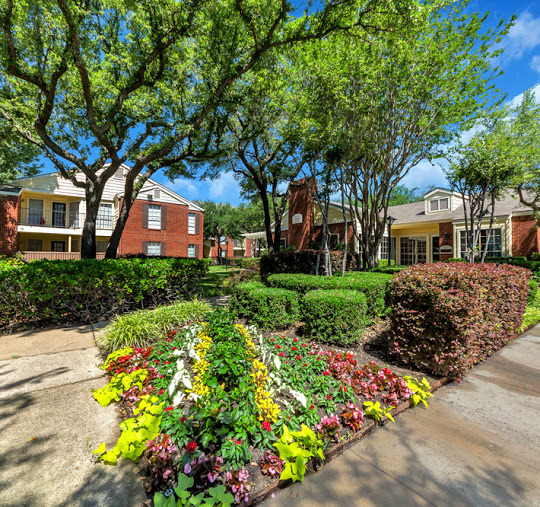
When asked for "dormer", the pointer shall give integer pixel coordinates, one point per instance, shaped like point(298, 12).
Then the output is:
point(441, 200)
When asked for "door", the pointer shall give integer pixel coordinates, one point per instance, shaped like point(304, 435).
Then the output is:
point(435, 248)
point(59, 214)
point(74, 215)
point(35, 212)
point(413, 250)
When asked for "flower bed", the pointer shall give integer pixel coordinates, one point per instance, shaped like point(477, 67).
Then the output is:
point(217, 411)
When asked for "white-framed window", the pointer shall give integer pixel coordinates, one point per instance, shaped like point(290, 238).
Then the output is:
point(154, 216)
point(105, 215)
point(283, 243)
point(101, 246)
point(384, 248)
point(191, 223)
point(35, 245)
point(153, 248)
point(442, 204)
point(494, 247)
point(191, 251)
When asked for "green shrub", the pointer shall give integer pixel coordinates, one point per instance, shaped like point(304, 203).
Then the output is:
point(335, 316)
point(448, 317)
point(373, 285)
point(533, 291)
point(140, 328)
point(383, 263)
point(265, 307)
point(93, 290)
point(389, 270)
point(253, 263)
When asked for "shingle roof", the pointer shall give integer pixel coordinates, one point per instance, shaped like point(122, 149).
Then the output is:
point(12, 189)
point(415, 212)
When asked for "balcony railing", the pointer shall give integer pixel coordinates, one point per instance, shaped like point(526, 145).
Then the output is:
point(52, 256)
point(62, 219)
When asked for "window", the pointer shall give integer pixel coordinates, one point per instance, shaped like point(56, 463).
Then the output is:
point(439, 204)
point(191, 251)
point(283, 243)
point(59, 214)
point(333, 241)
point(413, 250)
point(191, 223)
point(35, 212)
point(101, 246)
point(104, 217)
point(35, 245)
point(153, 248)
point(154, 216)
point(58, 246)
point(75, 245)
point(494, 247)
point(157, 193)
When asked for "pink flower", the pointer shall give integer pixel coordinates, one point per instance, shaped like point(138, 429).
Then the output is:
point(187, 468)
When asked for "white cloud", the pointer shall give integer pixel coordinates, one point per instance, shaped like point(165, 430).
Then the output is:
point(522, 37)
point(518, 98)
point(424, 175)
point(225, 188)
point(535, 63)
point(187, 188)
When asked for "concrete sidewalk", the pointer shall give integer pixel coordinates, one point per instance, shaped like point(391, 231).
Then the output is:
point(477, 444)
point(50, 423)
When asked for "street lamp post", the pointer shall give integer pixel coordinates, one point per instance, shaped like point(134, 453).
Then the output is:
point(390, 220)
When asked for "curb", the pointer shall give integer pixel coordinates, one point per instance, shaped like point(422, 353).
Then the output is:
point(339, 448)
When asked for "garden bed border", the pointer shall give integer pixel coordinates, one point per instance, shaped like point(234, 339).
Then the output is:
point(337, 449)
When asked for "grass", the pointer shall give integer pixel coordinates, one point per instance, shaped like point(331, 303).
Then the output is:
point(212, 284)
point(532, 313)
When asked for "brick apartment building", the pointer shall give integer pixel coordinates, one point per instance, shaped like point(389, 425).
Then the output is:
point(427, 231)
point(43, 216)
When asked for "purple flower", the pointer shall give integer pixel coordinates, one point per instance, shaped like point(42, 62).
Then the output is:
point(187, 468)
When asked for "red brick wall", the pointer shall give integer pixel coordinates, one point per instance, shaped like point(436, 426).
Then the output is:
point(524, 236)
point(446, 228)
point(9, 218)
point(175, 235)
point(335, 229)
point(247, 251)
point(300, 201)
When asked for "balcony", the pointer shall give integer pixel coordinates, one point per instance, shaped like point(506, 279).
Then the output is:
point(61, 219)
point(52, 256)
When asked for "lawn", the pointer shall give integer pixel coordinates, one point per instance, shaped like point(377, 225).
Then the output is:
point(221, 280)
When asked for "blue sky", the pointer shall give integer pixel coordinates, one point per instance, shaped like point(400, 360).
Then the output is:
point(520, 63)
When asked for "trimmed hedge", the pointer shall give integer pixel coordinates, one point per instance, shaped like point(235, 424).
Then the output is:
point(302, 262)
point(93, 290)
point(335, 316)
point(389, 270)
point(253, 263)
point(265, 307)
point(373, 285)
point(447, 317)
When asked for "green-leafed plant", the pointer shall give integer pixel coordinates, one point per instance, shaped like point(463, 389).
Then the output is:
point(421, 389)
point(268, 308)
point(136, 431)
point(218, 496)
point(376, 411)
point(373, 285)
point(140, 328)
point(119, 384)
point(93, 290)
point(296, 448)
point(335, 316)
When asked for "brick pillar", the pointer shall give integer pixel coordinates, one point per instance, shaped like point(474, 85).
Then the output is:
point(9, 220)
point(524, 236)
point(300, 205)
point(448, 229)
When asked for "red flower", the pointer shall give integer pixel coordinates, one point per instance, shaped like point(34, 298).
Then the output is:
point(182, 419)
point(298, 357)
point(157, 362)
point(168, 409)
point(166, 362)
point(328, 397)
point(281, 354)
point(266, 426)
point(304, 345)
point(295, 339)
point(161, 391)
point(278, 346)
point(272, 340)
point(325, 372)
point(191, 446)
point(294, 348)
point(304, 364)
point(311, 407)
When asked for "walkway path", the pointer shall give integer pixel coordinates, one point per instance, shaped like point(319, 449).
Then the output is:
point(477, 444)
point(49, 424)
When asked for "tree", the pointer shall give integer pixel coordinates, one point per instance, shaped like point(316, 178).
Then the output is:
point(138, 83)
point(18, 158)
point(524, 129)
point(396, 98)
point(401, 194)
point(482, 169)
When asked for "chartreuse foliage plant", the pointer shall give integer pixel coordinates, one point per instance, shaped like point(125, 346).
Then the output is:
point(119, 384)
point(376, 411)
point(140, 328)
point(136, 431)
point(218, 496)
point(296, 448)
point(421, 390)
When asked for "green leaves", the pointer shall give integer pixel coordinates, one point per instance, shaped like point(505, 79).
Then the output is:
point(376, 411)
point(421, 389)
point(218, 496)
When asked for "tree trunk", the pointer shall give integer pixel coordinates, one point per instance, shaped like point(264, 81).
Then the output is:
point(116, 236)
point(267, 222)
point(345, 234)
point(88, 240)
